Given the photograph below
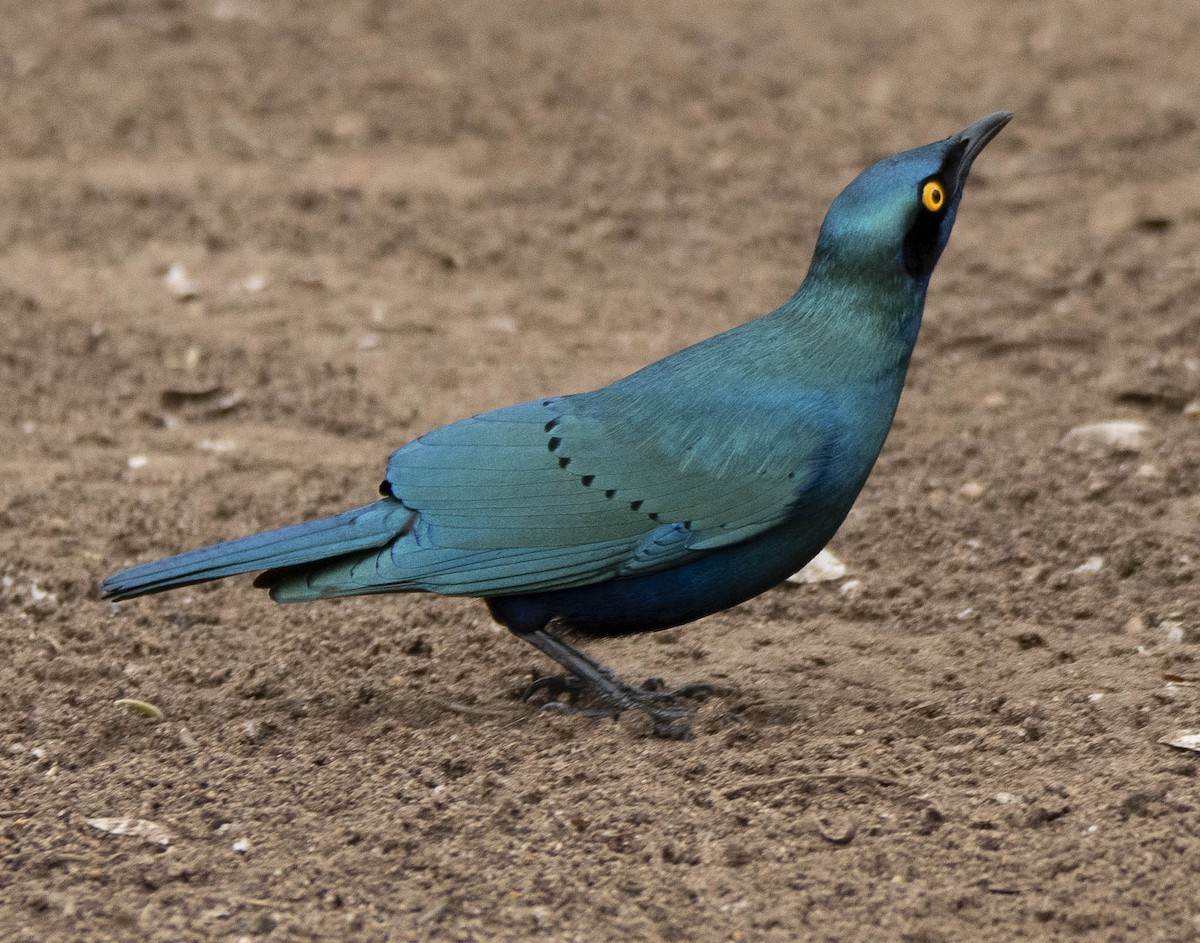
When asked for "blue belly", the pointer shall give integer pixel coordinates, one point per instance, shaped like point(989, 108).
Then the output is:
point(716, 580)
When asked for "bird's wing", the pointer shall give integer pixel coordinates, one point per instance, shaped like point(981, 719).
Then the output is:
point(562, 492)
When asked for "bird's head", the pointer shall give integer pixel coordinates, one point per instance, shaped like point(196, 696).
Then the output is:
point(894, 218)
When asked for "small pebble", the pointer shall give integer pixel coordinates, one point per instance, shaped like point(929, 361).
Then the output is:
point(216, 445)
point(972, 490)
point(1118, 435)
point(1173, 631)
point(823, 568)
point(179, 284)
point(1183, 740)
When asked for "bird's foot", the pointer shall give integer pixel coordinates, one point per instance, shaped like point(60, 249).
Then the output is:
point(697, 689)
point(665, 708)
point(556, 687)
point(668, 708)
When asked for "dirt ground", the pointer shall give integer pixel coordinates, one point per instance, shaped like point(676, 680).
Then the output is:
point(395, 215)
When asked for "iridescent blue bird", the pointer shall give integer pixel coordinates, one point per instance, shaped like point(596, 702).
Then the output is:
point(683, 489)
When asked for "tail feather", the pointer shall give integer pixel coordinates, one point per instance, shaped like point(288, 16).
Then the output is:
point(364, 528)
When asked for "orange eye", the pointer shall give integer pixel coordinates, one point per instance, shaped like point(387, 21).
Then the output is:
point(933, 196)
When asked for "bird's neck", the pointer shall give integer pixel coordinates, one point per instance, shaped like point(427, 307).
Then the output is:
point(857, 315)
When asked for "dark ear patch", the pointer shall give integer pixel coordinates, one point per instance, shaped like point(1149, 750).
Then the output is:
point(921, 244)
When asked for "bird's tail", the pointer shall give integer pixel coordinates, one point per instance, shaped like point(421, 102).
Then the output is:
point(364, 528)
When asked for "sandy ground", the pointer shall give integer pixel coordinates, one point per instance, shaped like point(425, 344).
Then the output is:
point(396, 215)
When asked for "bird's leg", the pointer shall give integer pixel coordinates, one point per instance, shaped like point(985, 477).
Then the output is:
point(663, 707)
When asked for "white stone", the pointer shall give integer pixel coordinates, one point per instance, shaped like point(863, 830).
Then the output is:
point(1173, 631)
point(972, 490)
point(136, 828)
point(1183, 739)
point(823, 568)
point(216, 445)
point(179, 284)
point(1118, 435)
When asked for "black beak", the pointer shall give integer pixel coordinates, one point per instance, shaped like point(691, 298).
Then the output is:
point(966, 145)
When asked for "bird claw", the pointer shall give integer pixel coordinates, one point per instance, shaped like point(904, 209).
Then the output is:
point(587, 676)
point(669, 717)
point(559, 707)
point(555, 686)
point(592, 713)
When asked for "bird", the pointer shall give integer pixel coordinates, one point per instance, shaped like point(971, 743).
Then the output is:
point(678, 491)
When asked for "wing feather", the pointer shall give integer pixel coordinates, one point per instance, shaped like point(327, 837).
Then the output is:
point(561, 492)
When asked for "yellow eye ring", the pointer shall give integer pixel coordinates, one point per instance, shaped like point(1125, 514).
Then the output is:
point(933, 196)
